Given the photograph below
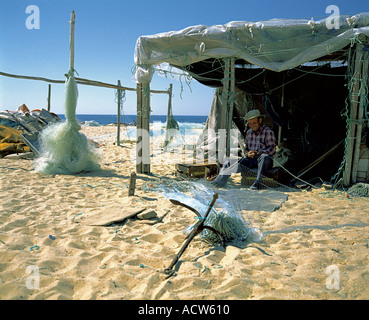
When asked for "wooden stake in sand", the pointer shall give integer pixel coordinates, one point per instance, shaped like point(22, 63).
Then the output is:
point(132, 184)
point(197, 228)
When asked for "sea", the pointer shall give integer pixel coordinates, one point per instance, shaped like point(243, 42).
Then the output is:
point(186, 123)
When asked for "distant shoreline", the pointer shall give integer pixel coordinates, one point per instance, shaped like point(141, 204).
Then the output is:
point(105, 119)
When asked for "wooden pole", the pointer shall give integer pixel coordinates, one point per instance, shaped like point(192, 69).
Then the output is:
point(132, 184)
point(282, 105)
point(139, 129)
point(223, 119)
point(146, 127)
point(230, 104)
point(353, 114)
point(71, 48)
point(119, 97)
point(169, 102)
point(197, 228)
point(49, 97)
point(359, 125)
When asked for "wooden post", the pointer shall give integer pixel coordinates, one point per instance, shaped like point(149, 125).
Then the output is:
point(119, 97)
point(146, 127)
point(359, 125)
point(132, 184)
point(230, 104)
point(139, 129)
point(353, 114)
point(169, 102)
point(282, 105)
point(71, 48)
point(223, 119)
point(48, 97)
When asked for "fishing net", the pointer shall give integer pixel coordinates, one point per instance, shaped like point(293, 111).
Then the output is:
point(63, 149)
point(359, 190)
point(172, 130)
point(225, 217)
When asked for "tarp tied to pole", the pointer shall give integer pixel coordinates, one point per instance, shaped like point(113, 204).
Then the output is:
point(277, 44)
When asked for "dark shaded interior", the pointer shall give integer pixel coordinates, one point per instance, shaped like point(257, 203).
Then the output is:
point(313, 115)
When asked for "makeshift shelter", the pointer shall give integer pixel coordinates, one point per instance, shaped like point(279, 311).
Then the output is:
point(310, 78)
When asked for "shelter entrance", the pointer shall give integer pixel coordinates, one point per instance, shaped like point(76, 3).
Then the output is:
point(304, 106)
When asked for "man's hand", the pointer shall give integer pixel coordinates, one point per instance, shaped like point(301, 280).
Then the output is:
point(251, 154)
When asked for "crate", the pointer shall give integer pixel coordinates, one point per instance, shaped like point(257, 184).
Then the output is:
point(196, 170)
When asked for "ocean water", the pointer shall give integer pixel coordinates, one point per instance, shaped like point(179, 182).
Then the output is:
point(105, 119)
point(158, 122)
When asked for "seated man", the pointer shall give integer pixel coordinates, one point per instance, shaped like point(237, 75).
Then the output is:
point(260, 145)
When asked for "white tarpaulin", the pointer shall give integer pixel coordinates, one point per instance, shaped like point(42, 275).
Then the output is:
point(277, 44)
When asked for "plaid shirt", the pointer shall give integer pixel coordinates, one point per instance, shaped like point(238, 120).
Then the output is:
point(262, 141)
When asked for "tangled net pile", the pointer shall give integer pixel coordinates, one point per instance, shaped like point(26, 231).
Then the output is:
point(64, 150)
point(359, 190)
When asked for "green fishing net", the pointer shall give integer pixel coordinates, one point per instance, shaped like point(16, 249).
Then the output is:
point(64, 150)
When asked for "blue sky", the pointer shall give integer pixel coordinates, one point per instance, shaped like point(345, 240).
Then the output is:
point(105, 38)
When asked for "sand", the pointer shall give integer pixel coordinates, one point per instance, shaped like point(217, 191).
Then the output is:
point(49, 251)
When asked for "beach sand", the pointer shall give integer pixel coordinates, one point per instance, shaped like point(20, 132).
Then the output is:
point(43, 232)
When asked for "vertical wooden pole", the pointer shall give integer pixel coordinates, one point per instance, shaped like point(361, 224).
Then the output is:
point(353, 114)
point(230, 104)
point(223, 119)
point(49, 98)
point(139, 129)
point(359, 126)
point(282, 105)
point(119, 97)
point(71, 48)
point(146, 127)
point(170, 90)
point(132, 184)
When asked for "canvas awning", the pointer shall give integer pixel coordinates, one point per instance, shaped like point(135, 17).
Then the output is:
point(277, 44)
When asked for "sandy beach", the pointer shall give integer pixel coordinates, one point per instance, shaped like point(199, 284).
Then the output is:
point(315, 246)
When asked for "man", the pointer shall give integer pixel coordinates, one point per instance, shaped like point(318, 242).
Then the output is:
point(260, 145)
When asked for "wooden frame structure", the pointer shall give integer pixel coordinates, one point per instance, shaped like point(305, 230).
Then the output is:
point(360, 74)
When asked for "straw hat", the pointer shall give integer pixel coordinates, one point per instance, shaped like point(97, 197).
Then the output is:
point(252, 114)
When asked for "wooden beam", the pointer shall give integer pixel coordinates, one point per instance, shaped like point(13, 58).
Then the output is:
point(353, 114)
point(320, 159)
point(359, 125)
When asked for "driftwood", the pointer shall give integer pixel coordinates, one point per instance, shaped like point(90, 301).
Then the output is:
point(197, 228)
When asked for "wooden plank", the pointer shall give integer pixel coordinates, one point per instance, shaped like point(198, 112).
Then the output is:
point(320, 159)
point(363, 165)
point(353, 114)
point(359, 125)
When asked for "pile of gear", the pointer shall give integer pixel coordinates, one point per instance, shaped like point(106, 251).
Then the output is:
point(20, 129)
